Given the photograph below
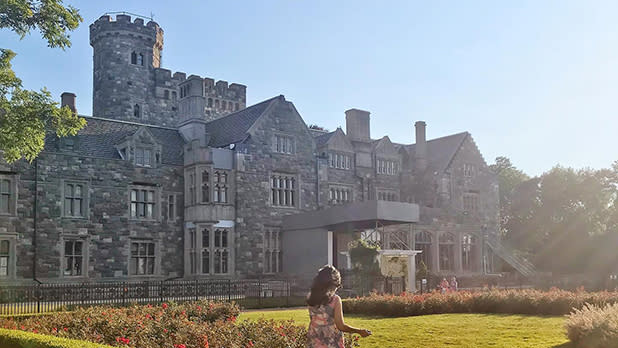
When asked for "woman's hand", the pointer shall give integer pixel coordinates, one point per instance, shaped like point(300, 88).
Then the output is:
point(364, 333)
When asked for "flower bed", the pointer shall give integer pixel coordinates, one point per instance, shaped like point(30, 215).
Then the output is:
point(594, 326)
point(553, 302)
point(200, 324)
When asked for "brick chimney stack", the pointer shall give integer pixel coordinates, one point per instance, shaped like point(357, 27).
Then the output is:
point(420, 156)
point(68, 99)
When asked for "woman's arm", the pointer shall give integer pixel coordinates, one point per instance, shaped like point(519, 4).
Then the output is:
point(341, 325)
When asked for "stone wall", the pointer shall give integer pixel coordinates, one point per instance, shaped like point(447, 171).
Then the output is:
point(106, 226)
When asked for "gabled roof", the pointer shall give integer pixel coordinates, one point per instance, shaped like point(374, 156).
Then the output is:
point(440, 151)
point(233, 128)
point(98, 137)
point(323, 138)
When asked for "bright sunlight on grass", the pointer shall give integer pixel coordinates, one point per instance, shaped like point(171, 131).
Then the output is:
point(447, 330)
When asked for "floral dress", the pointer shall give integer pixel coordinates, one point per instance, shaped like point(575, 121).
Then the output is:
point(322, 330)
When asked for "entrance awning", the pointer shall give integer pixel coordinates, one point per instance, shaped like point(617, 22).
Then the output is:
point(355, 216)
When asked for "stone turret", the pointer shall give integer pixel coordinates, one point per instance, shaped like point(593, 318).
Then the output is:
point(126, 54)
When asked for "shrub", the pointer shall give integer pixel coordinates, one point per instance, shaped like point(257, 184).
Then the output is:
point(201, 324)
point(553, 302)
point(594, 326)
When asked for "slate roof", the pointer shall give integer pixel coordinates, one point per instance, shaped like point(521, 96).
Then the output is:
point(100, 136)
point(323, 138)
point(233, 128)
point(440, 151)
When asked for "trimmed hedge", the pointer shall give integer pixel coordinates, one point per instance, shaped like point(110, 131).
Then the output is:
point(534, 302)
point(22, 339)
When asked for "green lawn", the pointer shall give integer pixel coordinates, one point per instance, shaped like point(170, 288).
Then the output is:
point(447, 330)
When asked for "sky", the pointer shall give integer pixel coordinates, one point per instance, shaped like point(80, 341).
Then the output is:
point(535, 81)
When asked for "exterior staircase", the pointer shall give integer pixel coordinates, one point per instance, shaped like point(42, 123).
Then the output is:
point(510, 256)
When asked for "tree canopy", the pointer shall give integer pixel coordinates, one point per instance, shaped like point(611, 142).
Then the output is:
point(566, 220)
point(26, 116)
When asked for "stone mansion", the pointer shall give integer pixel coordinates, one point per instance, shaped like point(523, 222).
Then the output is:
point(174, 176)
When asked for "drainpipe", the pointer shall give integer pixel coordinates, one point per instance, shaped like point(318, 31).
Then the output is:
point(35, 217)
point(317, 181)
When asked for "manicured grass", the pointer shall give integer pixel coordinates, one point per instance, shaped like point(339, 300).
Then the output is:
point(447, 330)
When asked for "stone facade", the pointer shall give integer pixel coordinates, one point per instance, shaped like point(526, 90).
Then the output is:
point(196, 184)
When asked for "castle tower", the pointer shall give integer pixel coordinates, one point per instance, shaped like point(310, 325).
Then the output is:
point(126, 56)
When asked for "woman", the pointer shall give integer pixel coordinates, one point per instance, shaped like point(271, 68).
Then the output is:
point(327, 325)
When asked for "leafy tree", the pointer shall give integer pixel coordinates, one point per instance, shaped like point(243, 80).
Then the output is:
point(26, 116)
point(509, 177)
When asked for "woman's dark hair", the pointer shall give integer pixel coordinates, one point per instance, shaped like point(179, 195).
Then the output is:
point(324, 286)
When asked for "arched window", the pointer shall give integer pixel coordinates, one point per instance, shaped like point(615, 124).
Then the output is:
point(166, 94)
point(422, 242)
point(137, 112)
point(174, 96)
point(140, 59)
point(469, 253)
point(133, 58)
point(223, 105)
point(210, 102)
point(447, 251)
point(216, 103)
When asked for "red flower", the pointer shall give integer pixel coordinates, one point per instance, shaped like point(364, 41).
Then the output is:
point(180, 346)
point(164, 305)
point(250, 344)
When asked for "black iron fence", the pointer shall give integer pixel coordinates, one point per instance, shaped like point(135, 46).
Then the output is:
point(53, 297)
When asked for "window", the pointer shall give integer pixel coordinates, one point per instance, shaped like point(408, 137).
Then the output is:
point(283, 190)
point(192, 251)
point(272, 250)
point(387, 167)
point(422, 242)
point(205, 186)
point(471, 202)
point(6, 196)
point(133, 58)
point(74, 199)
point(143, 157)
point(221, 188)
point(191, 187)
point(74, 258)
point(142, 204)
point(5, 258)
point(210, 102)
point(216, 103)
point(140, 59)
point(171, 207)
point(446, 251)
point(223, 105)
point(136, 111)
point(166, 94)
point(469, 252)
point(142, 260)
point(221, 251)
point(387, 196)
point(174, 96)
point(469, 170)
point(236, 107)
point(339, 161)
point(206, 251)
point(339, 195)
point(284, 144)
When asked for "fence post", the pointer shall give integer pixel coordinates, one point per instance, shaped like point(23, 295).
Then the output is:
point(83, 290)
point(260, 291)
point(196, 292)
point(124, 293)
point(162, 283)
point(287, 292)
point(37, 294)
point(229, 290)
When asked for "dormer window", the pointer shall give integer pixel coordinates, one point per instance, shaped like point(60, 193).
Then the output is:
point(143, 157)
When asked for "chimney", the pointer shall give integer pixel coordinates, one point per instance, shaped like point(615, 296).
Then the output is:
point(420, 156)
point(68, 99)
point(357, 124)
